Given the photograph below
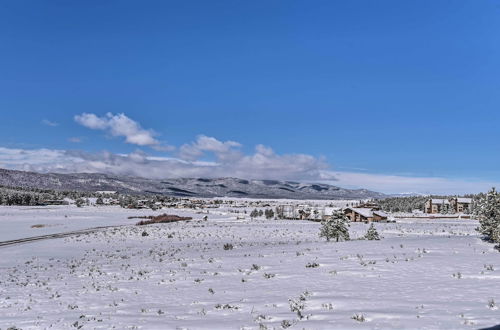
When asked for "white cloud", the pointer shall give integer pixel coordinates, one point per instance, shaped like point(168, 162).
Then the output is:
point(49, 123)
point(121, 125)
point(229, 160)
point(264, 163)
point(34, 159)
point(75, 139)
point(222, 150)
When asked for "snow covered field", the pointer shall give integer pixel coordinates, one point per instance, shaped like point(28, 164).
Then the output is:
point(230, 273)
point(17, 221)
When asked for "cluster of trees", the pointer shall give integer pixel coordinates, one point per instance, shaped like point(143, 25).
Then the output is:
point(337, 228)
point(449, 209)
point(410, 203)
point(403, 204)
point(268, 213)
point(32, 196)
point(487, 211)
point(23, 196)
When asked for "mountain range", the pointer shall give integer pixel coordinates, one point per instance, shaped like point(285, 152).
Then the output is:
point(183, 187)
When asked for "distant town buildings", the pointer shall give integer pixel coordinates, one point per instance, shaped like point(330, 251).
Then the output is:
point(453, 205)
point(303, 212)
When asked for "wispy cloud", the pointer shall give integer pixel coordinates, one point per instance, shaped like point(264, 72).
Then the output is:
point(121, 126)
point(49, 123)
point(75, 139)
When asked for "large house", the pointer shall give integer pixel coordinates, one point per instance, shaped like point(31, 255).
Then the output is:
point(436, 205)
point(457, 205)
point(363, 214)
point(461, 204)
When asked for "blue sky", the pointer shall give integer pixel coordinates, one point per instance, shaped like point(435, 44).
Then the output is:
point(402, 94)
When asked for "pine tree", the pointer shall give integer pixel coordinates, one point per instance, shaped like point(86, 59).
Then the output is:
point(451, 209)
point(254, 214)
point(488, 213)
point(444, 208)
point(372, 234)
point(269, 213)
point(336, 227)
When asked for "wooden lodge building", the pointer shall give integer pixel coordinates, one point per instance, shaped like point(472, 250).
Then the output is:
point(362, 214)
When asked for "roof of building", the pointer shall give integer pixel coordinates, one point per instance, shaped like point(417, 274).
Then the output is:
point(439, 201)
point(380, 214)
point(464, 200)
point(366, 212)
point(331, 210)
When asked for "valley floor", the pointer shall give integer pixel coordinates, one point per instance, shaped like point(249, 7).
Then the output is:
point(226, 273)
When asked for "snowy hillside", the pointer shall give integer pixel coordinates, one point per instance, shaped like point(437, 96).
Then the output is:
point(188, 187)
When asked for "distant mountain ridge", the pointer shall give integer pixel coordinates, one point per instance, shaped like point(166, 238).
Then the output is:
point(184, 187)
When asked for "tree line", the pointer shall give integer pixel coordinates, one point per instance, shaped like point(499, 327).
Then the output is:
point(410, 203)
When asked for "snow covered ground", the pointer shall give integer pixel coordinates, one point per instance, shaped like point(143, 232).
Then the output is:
point(430, 274)
point(17, 221)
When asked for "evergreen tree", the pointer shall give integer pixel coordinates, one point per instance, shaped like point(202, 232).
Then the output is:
point(488, 213)
point(372, 234)
point(451, 209)
point(336, 227)
point(79, 202)
point(269, 213)
point(444, 208)
point(254, 214)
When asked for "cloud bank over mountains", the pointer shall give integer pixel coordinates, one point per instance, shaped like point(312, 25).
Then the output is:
point(263, 163)
point(190, 160)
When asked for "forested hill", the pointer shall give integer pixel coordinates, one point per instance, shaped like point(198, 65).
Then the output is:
point(184, 187)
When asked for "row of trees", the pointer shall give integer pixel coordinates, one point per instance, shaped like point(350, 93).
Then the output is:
point(23, 196)
point(402, 204)
point(410, 203)
point(268, 213)
point(32, 196)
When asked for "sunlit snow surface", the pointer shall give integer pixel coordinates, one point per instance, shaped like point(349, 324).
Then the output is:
point(431, 274)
